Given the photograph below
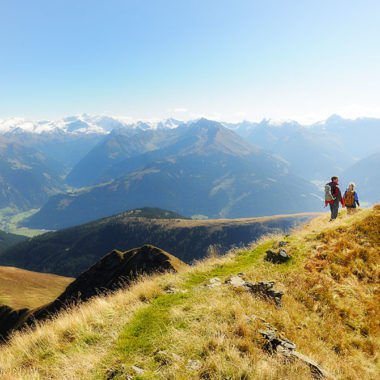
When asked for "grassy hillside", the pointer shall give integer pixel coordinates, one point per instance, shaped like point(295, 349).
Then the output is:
point(21, 288)
point(175, 327)
point(70, 251)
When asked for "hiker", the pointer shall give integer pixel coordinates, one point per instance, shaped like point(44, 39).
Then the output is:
point(351, 199)
point(333, 196)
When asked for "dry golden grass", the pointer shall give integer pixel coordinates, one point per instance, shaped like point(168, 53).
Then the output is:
point(71, 345)
point(330, 310)
point(22, 288)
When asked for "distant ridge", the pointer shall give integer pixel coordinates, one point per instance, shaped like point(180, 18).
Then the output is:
point(152, 213)
point(69, 251)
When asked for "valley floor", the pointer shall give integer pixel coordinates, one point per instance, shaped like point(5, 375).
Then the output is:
point(193, 324)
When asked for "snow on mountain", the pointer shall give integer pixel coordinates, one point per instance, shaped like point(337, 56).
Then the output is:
point(82, 124)
point(14, 126)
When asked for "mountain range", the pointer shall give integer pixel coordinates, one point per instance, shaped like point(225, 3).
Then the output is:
point(315, 151)
point(201, 169)
point(197, 168)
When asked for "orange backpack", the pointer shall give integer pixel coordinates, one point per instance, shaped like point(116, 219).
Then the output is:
point(349, 198)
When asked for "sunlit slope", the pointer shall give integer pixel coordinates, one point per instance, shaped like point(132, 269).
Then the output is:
point(175, 326)
point(25, 289)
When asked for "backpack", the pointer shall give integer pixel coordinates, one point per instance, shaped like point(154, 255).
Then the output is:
point(328, 194)
point(349, 198)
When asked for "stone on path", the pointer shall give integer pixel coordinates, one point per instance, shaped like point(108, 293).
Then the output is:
point(276, 257)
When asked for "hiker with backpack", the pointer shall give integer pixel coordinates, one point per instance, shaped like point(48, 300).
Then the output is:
point(333, 196)
point(351, 199)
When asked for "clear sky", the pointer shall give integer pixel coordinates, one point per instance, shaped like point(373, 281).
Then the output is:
point(230, 60)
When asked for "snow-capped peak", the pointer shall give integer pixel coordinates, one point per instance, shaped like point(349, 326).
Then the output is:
point(83, 124)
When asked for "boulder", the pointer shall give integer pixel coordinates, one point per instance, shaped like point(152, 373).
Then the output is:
point(277, 257)
point(262, 288)
point(279, 344)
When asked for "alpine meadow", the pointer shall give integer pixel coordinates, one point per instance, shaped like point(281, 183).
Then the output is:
point(189, 190)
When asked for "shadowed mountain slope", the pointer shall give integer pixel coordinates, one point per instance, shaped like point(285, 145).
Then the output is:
point(116, 269)
point(68, 252)
point(208, 171)
point(26, 177)
point(64, 149)
point(7, 239)
point(109, 158)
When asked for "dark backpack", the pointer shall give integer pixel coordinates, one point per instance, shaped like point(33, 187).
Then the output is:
point(328, 193)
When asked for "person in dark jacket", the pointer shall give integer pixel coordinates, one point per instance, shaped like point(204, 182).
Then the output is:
point(351, 199)
point(337, 197)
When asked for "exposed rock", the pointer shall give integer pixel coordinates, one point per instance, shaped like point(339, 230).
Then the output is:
point(274, 341)
point(113, 271)
point(262, 288)
point(214, 282)
point(315, 368)
point(138, 370)
point(171, 290)
point(194, 365)
point(237, 282)
point(282, 243)
point(265, 288)
point(283, 346)
point(277, 257)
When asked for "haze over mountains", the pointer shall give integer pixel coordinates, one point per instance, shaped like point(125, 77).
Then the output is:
point(200, 167)
point(27, 177)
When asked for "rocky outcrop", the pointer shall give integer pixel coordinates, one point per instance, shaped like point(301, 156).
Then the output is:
point(120, 268)
point(279, 344)
point(115, 270)
point(277, 257)
point(262, 288)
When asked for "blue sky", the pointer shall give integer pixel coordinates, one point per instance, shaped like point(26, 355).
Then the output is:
point(227, 60)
